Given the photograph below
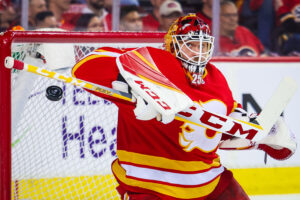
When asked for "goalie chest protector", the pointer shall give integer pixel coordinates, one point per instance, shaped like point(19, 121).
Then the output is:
point(176, 160)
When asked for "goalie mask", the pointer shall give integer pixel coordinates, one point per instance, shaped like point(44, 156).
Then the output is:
point(190, 41)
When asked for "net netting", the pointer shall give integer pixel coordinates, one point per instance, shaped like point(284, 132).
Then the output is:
point(61, 149)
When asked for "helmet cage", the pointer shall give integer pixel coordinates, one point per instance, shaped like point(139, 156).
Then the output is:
point(190, 41)
point(200, 55)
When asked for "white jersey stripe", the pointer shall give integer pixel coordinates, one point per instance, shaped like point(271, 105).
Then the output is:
point(171, 177)
point(105, 53)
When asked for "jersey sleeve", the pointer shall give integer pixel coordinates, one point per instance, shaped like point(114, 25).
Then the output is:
point(99, 67)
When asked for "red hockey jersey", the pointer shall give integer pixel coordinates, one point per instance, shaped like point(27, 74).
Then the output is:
point(244, 43)
point(150, 23)
point(286, 9)
point(173, 161)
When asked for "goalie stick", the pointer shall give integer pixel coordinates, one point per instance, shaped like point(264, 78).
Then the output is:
point(196, 115)
point(277, 102)
point(10, 63)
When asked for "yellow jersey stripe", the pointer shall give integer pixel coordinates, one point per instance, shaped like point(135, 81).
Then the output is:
point(165, 163)
point(174, 191)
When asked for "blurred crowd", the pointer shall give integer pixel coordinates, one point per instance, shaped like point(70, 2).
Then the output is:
point(247, 27)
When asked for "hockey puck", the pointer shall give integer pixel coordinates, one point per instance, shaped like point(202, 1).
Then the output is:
point(54, 93)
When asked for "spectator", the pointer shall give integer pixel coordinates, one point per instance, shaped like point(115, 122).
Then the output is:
point(35, 6)
point(247, 15)
point(97, 7)
point(45, 19)
point(78, 2)
point(89, 22)
point(205, 12)
point(151, 20)
point(169, 11)
point(130, 19)
point(108, 5)
point(7, 16)
point(287, 36)
point(236, 40)
point(59, 7)
point(259, 17)
point(129, 3)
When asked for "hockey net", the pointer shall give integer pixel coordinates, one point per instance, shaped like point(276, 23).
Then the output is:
point(62, 149)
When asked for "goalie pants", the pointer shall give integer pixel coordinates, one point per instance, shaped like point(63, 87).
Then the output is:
point(227, 189)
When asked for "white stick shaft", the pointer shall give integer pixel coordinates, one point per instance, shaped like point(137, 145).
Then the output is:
point(277, 103)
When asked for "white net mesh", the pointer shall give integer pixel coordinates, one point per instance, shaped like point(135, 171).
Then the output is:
point(60, 149)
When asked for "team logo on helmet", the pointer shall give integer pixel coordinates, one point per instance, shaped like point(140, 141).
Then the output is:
point(192, 25)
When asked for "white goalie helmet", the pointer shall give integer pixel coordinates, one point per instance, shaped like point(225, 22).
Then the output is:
point(190, 40)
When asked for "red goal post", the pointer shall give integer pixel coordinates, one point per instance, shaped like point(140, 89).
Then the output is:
point(28, 170)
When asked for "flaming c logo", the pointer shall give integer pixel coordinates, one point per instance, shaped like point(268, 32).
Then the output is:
point(196, 137)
